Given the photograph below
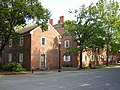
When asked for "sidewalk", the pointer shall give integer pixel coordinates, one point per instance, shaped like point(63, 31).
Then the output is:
point(113, 66)
point(64, 69)
point(12, 73)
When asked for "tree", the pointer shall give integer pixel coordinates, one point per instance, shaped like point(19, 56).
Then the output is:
point(84, 28)
point(93, 25)
point(110, 20)
point(16, 12)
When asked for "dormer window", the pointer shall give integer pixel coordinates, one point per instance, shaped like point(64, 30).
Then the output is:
point(21, 41)
point(67, 43)
point(10, 43)
point(43, 41)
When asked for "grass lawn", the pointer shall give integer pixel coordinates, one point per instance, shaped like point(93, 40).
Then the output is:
point(101, 66)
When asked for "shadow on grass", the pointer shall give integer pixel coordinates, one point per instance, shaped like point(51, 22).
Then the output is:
point(100, 66)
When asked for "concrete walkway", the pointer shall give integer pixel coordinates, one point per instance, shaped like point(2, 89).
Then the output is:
point(64, 69)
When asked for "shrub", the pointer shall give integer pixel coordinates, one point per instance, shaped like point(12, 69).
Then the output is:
point(13, 66)
point(18, 67)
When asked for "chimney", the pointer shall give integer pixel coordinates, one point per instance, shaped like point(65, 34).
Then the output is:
point(61, 19)
point(51, 21)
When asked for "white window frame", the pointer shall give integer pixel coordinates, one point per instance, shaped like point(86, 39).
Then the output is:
point(105, 58)
point(111, 57)
point(86, 57)
point(10, 42)
point(42, 58)
point(21, 57)
point(67, 58)
point(92, 58)
point(21, 41)
point(10, 57)
point(99, 57)
point(42, 41)
point(67, 42)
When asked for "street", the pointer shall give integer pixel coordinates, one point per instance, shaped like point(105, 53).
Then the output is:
point(95, 79)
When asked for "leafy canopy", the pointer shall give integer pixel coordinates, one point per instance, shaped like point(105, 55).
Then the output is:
point(16, 12)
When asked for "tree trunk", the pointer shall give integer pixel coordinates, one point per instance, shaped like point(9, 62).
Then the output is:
point(0, 56)
point(107, 56)
point(80, 59)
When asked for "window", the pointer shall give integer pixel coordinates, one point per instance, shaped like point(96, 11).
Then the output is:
point(67, 43)
point(111, 57)
point(43, 62)
point(105, 58)
point(10, 43)
point(21, 57)
point(86, 58)
point(99, 57)
point(92, 57)
point(66, 58)
point(21, 41)
point(10, 57)
point(43, 41)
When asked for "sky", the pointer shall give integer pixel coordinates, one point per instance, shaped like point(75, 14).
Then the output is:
point(61, 7)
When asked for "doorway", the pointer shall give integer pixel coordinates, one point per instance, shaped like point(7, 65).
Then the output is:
point(43, 61)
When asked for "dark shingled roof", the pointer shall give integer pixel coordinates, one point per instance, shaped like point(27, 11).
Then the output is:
point(27, 29)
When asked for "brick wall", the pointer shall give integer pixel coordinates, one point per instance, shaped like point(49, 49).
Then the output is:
point(16, 49)
point(50, 49)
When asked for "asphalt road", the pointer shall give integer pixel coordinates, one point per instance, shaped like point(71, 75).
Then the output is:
point(97, 79)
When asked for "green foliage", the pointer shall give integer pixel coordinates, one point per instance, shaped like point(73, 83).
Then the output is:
point(72, 50)
point(15, 13)
point(97, 26)
point(13, 66)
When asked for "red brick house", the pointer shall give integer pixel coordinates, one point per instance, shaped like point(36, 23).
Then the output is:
point(67, 42)
point(39, 50)
point(87, 57)
point(35, 48)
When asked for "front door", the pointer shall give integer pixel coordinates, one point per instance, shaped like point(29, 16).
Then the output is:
point(42, 60)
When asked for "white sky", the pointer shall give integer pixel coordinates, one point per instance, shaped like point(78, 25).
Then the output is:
point(61, 7)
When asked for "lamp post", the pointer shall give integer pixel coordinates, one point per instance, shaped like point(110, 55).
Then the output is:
point(59, 46)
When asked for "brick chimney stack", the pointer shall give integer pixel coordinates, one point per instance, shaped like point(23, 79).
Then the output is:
point(51, 21)
point(61, 19)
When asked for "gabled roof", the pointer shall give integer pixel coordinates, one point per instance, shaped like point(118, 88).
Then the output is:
point(59, 28)
point(27, 29)
point(32, 28)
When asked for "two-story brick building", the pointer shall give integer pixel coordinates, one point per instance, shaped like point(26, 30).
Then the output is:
point(67, 42)
point(35, 48)
point(88, 56)
point(38, 49)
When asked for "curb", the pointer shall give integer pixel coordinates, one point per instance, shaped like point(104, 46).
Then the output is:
point(12, 73)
